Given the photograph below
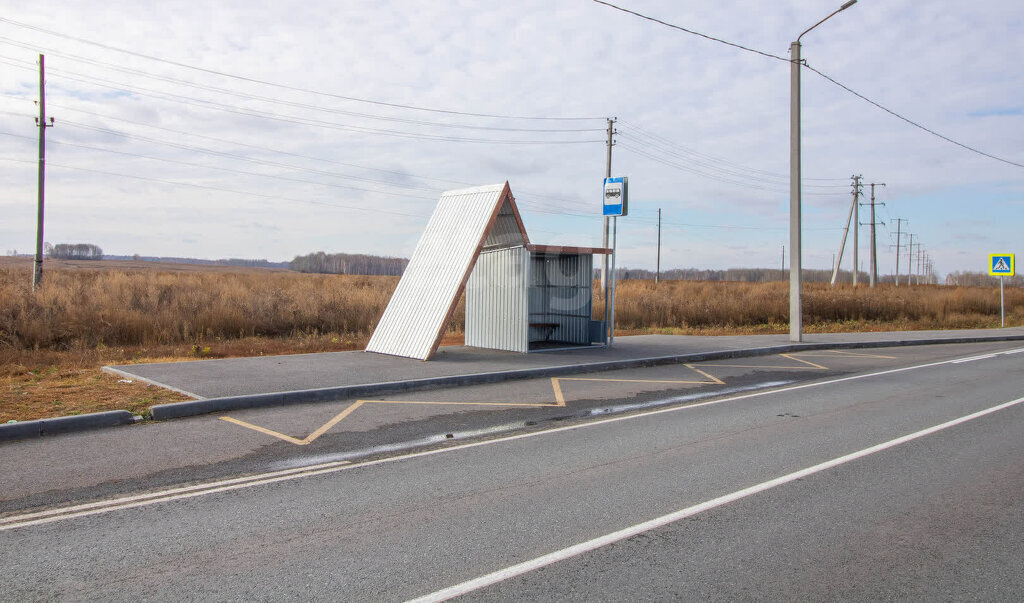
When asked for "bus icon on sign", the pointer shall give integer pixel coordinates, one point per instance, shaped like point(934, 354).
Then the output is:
point(616, 196)
point(1000, 264)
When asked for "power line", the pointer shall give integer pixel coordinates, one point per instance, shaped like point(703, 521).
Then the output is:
point(204, 150)
point(234, 171)
point(822, 74)
point(284, 86)
point(308, 121)
point(683, 29)
point(724, 171)
point(223, 190)
point(912, 122)
point(671, 143)
point(225, 141)
point(271, 100)
point(719, 178)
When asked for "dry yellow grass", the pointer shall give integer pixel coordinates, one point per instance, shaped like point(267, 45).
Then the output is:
point(761, 307)
point(53, 341)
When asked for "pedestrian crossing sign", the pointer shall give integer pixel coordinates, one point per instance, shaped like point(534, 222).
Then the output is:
point(1000, 264)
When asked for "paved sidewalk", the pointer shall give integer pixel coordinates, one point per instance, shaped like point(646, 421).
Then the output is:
point(234, 377)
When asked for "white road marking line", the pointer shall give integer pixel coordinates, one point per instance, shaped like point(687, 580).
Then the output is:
point(103, 506)
point(613, 537)
point(972, 359)
point(58, 514)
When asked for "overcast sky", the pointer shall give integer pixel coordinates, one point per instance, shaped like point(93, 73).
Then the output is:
point(236, 129)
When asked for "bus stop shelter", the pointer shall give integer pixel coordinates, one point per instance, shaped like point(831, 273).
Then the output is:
point(520, 297)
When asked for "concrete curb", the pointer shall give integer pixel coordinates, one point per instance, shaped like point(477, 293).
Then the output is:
point(41, 427)
point(177, 410)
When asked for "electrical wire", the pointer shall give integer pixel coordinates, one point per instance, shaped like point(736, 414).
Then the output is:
point(823, 75)
point(206, 104)
point(267, 99)
point(756, 186)
point(224, 169)
point(50, 164)
point(523, 192)
point(689, 151)
point(724, 171)
point(692, 32)
point(284, 86)
point(912, 122)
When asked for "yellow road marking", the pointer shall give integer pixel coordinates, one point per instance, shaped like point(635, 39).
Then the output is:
point(841, 353)
point(767, 366)
point(712, 379)
point(269, 432)
point(337, 419)
point(808, 362)
point(446, 403)
point(310, 438)
point(708, 375)
point(556, 387)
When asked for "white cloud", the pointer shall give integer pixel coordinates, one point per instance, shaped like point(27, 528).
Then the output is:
point(949, 65)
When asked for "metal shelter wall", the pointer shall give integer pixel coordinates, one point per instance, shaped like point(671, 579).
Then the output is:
point(496, 300)
point(422, 304)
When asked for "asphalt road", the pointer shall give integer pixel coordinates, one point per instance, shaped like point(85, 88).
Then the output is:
point(938, 515)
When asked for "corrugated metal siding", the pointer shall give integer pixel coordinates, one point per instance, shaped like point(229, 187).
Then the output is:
point(560, 292)
point(506, 232)
point(496, 301)
point(429, 288)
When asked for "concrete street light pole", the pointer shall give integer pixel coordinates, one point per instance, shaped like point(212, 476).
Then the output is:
point(796, 253)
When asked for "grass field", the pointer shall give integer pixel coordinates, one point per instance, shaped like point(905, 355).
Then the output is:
point(88, 314)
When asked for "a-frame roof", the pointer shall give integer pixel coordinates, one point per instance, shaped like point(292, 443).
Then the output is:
point(465, 222)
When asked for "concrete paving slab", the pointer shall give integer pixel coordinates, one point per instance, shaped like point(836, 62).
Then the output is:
point(204, 379)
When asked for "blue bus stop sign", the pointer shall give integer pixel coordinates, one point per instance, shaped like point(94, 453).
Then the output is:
point(616, 196)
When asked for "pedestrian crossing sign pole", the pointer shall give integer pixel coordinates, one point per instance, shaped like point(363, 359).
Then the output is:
point(1001, 264)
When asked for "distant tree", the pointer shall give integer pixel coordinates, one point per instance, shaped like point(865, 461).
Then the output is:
point(345, 263)
point(981, 279)
point(76, 251)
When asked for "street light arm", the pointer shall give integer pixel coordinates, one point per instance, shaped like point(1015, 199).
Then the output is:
point(841, 9)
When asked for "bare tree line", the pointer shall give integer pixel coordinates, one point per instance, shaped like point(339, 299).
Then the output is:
point(74, 251)
point(346, 263)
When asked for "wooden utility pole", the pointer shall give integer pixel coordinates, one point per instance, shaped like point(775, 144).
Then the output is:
point(37, 268)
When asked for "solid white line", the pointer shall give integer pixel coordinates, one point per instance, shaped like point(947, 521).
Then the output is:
point(103, 506)
point(58, 514)
point(601, 541)
point(972, 359)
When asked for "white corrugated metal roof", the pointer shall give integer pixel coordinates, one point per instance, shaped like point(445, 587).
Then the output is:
point(421, 307)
